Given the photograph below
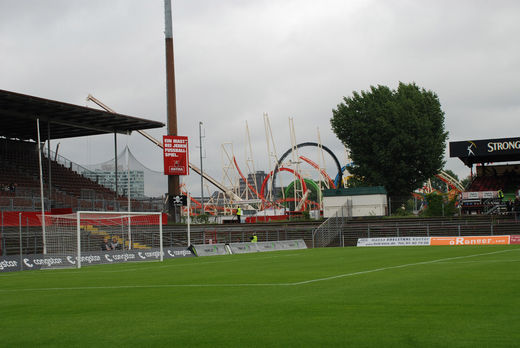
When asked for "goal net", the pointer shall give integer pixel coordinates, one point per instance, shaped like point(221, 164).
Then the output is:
point(87, 237)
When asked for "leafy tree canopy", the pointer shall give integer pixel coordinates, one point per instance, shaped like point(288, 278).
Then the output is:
point(396, 137)
point(439, 205)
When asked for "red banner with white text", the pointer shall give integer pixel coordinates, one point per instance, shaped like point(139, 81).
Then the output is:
point(175, 151)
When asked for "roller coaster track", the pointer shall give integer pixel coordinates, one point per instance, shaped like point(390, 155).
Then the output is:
point(304, 185)
point(261, 196)
point(451, 181)
point(277, 167)
point(321, 170)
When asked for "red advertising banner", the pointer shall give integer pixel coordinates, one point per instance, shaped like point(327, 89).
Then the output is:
point(515, 239)
point(175, 153)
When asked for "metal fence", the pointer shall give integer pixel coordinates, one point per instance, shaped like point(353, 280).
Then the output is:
point(332, 228)
point(29, 200)
point(337, 232)
point(173, 235)
point(348, 232)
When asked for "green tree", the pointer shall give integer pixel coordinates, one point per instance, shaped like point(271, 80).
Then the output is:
point(466, 182)
point(396, 137)
point(439, 205)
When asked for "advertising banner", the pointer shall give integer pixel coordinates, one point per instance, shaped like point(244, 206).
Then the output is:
point(210, 249)
point(515, 239)
point(471, 240)
point(243, 248)
point(484, 147)
point(393, 241)
point(266, 246)
point(40, 261)
point(290, 244)
point(176, 155)
point(248, 247)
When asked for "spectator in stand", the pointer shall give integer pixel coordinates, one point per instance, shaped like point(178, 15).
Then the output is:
point(115, 244)
point(500, 195)
point(105, 246)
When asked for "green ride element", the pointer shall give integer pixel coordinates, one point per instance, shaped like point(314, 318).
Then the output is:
point(311, 185)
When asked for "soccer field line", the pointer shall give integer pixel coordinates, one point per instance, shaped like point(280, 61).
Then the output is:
point(310, 281)
point(400, 266)
point(481, 261)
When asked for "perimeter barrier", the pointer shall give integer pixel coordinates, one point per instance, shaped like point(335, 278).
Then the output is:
point(248, 247)
point(24, 262)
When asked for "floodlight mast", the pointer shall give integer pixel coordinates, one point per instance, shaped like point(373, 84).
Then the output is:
point(171, 105)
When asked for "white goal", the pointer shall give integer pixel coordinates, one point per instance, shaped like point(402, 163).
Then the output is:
point(94, 237)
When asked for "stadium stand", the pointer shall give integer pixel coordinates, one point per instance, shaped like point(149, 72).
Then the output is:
point(21, 116)
point(497, 178)
point(19, 163)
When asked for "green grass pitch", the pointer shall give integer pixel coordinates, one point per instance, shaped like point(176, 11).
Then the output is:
point(361, 297)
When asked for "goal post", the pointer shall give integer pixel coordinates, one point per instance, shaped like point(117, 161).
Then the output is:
point(95, 237)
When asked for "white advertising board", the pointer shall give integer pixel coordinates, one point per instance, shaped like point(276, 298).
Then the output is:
point(393, 241)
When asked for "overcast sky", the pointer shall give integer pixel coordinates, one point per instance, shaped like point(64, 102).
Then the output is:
point(236, 59)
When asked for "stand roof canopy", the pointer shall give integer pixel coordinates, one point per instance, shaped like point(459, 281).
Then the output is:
point(486, 151)
point(18, 114)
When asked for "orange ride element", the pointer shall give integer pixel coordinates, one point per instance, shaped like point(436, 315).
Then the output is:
point(472, 240)
point(304, 185)
point(260, 196)
point(323, 172)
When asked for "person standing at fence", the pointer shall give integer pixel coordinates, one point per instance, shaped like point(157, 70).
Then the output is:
point(239, 214)
point(105, 246)
point(115, 244)
point(254, 238)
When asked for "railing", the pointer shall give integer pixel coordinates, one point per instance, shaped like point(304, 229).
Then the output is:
point(33, 203)
point(430, 228)
point(332, 228)
point(176, 235)
point(69, 164)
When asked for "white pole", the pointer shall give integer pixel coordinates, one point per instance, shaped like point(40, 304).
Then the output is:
point(128, 195)
point(20, 237)
point(189, 218)
point(160, 236)
point(41, 187)
point(201, 170)
point(128, 175)
point(78, 236)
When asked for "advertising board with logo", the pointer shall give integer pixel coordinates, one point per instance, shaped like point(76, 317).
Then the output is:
point(176, 155)
point(40, 261)
point(393, 241)
point(248, 247)
point(514, 239)
point(470, 240)
point(484, 147)
point(415, 241)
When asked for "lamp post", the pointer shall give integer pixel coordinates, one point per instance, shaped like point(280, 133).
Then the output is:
point(201, 169)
